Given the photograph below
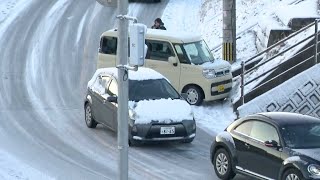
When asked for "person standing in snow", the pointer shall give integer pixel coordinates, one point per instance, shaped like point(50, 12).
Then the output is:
point(158, 24)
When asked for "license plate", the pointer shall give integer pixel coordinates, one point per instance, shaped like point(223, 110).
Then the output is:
point(220, 88)
point(167, 130)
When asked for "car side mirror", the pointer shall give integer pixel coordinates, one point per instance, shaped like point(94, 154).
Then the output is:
point(184, 96)
point(271, 143)
point(113, 99)
point(172, 60)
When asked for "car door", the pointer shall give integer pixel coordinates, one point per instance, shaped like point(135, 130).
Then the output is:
point(110, 108)
point(98, 90)
point(157, 58)
point(240, 135)
point(263, 160)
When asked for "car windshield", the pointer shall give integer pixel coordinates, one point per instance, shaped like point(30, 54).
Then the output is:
point(151, 89)
point(198, 52)
point(302, 136)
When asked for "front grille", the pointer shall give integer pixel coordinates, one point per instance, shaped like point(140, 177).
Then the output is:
point(154, 131)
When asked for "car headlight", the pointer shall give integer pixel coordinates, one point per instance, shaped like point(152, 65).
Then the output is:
point(209, 73)
point(314, 169)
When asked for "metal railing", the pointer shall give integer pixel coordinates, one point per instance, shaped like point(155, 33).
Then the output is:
point(244, 72)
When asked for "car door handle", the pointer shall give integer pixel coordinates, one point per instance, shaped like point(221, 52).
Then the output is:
point(247, 145)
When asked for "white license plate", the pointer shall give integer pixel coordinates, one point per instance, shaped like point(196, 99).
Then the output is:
point(220, 88)
point(167, 130)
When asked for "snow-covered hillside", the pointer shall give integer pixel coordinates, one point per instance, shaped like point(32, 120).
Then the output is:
point(253, 17)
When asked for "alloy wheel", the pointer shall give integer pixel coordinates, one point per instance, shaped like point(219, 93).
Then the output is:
point(292, 177)
point(193, 96)
point(88, 115)
point(222, 164)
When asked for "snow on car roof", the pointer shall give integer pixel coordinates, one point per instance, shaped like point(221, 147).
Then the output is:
point(140, 75)
point(156, 34)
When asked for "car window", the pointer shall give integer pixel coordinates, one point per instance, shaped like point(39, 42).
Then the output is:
point(151, 89)
point(159, 50)
point(100, 84)
point(298, 136)
point(244, 128)
point(264, 132)
point(113, 88)
point(182, 58)
point(108, 45)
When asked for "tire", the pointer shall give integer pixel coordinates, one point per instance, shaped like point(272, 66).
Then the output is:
point(90, 122)
point(223, 165)
point(292, 174)
point(195, 95)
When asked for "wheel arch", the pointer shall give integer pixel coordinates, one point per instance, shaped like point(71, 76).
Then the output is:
point(293, 162)
point(196, 85)
point(225, 141)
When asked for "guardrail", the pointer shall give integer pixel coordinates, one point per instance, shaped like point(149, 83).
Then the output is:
point(244, 72)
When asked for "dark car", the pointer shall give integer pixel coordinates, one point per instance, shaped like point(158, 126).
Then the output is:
point(157, 112)
point(272, 145)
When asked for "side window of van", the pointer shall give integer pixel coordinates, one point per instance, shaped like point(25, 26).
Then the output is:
point(182, 57)
point(108, 45)
point(159, 50)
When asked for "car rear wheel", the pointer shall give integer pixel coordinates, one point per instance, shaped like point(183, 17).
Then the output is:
point(194, 95)
point(222, 164)
point(292, 174)
point(90, 122)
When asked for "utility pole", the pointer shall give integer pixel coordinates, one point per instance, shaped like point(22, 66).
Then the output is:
point(229, 30)
point(122, 59)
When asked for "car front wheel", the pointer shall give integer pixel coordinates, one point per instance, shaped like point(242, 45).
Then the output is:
point(292, 174)
point(90, 122)
point(194, 95)
point(222, 164)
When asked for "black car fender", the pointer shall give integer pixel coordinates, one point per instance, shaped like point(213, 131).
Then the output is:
point(224, 140)
point(294, 162)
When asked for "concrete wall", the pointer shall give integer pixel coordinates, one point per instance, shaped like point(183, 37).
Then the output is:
point(300, 94)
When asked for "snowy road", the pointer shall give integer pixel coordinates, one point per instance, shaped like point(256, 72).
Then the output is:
point(48, 53)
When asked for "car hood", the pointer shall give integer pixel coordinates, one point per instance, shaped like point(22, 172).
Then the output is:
point(217, 64)
point(311, 153)
point(161, 111)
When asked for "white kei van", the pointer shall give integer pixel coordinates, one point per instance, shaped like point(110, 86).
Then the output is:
point(183, 58)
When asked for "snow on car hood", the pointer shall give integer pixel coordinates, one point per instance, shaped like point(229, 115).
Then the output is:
point(217, 64)
point(162, 110)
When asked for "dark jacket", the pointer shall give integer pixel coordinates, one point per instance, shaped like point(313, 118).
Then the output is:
point(160, 27)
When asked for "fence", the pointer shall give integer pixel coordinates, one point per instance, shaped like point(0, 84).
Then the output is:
point(245, 72)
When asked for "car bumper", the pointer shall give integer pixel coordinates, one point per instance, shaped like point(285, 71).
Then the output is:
point(151, 132)
point(138, 138)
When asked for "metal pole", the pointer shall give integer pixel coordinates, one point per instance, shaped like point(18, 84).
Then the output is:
point(242, 82)
point(122, 59)
point(316, 41)
point(229, 30)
